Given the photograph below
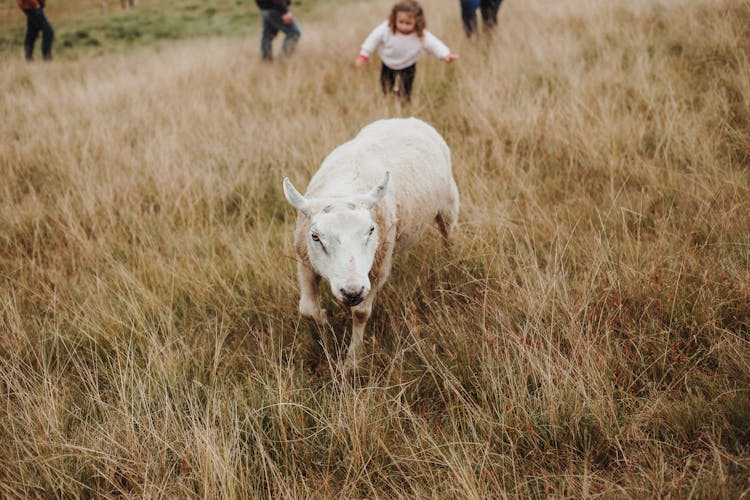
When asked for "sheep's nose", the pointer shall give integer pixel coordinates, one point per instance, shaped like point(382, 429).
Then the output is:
point(352, 297)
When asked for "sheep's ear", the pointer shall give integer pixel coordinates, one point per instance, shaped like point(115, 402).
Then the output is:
point(378, 192)
point(294, 198)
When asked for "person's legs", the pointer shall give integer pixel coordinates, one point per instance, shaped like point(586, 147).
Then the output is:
point(48, 35)
point(469, 16)
point(407, 80)
point(387, 79)
point(489, 10)
point(272, 24)
point(32, 32)
point(269, 33)
point(292, 35)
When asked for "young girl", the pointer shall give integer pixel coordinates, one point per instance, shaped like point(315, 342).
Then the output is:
point(401, 39)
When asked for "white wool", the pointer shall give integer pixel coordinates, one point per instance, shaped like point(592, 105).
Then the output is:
point(371, 197)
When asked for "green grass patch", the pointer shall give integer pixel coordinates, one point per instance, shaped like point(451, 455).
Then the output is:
point(100, 31)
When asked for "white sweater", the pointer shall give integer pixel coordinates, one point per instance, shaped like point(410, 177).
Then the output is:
point(399, 51)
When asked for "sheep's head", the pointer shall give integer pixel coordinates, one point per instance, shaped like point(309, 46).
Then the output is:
point(342, 239)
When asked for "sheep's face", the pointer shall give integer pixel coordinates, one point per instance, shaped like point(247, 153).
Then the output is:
point(341, 245)
point(342, 239)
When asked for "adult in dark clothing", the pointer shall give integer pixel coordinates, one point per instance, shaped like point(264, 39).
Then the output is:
point(36, 21)
point(488, 9)
point(277, 17)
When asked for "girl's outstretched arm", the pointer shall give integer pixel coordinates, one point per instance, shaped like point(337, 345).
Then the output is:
point(436, 47)
point(371, 43)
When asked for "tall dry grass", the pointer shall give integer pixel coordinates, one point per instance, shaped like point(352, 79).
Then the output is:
point(588, 334)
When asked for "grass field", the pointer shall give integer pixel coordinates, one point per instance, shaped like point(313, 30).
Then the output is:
point(588, 335)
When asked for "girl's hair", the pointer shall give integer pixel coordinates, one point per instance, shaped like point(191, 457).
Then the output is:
point(410, 7)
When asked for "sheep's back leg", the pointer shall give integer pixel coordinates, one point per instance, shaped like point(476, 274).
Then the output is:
point(446, 223)
point(447, 218)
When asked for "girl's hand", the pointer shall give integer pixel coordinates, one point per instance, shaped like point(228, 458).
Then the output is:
point(450, 57)
point(361, 61)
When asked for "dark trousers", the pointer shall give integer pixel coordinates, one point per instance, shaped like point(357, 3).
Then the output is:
point(272, 24)
point(488, 9)
point(398, 81)
point(36, 21)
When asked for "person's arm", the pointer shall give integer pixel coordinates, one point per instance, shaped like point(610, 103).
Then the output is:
point(29, 4)
point(282, 6)
point(433, 45)
point(371, 43)
point(286, 14)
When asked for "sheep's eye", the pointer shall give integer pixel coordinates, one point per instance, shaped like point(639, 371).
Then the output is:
point(315, 237)
point(372, 229)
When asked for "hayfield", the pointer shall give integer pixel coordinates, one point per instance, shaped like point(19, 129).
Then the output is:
point(588, 334)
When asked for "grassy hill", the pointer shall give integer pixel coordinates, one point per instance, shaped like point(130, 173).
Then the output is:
point(90, 27)
point(587, 335)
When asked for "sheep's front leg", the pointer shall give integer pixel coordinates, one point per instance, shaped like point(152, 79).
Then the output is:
point(309, 300)
point(360, 315)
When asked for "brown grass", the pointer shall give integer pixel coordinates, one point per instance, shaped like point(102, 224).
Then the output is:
point(588, 334)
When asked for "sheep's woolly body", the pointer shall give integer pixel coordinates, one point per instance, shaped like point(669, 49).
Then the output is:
point(420, 192)
point(421, 179)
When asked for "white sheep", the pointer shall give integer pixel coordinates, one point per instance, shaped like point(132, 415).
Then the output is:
point(371, 197)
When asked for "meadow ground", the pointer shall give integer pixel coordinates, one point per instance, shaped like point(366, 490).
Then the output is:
point(587, 335)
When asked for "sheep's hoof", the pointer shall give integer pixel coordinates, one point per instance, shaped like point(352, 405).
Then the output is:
point(320, 315)
point(348, 366)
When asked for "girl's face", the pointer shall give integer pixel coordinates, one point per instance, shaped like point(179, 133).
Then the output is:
point(405, 22)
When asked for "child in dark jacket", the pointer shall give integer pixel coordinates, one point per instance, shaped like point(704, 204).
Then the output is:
point(277, 17)
point(36, 22)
